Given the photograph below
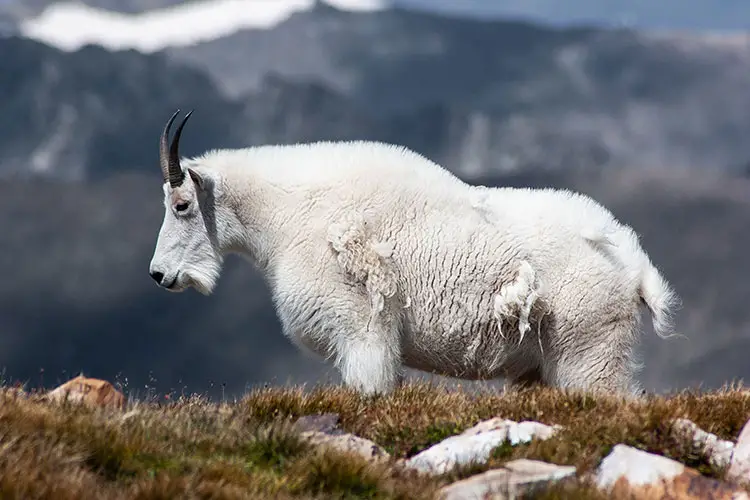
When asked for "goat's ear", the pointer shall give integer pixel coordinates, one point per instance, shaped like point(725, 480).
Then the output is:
point(203, 182)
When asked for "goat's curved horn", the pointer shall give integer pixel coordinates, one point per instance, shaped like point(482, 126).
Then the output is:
point(164, 147)
point(170, 156)
point(176, 175)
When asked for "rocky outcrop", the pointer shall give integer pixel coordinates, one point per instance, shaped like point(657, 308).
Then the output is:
point(625, 471)
point(519, 477)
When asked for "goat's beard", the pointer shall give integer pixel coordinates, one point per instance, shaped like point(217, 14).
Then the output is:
point(203, 280)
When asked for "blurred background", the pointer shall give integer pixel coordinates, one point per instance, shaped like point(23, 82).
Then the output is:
point(643, 105)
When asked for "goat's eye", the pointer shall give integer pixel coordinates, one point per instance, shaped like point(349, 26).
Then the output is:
point(181, 207)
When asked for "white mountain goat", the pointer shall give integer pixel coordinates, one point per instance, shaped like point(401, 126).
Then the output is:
point(378, 258)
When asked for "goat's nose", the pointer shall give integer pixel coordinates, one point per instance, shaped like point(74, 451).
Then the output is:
point(157, 276)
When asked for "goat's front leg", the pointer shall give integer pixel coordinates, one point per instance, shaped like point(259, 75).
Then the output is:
point(369, 358)
point(340, 323)
point(368, 344)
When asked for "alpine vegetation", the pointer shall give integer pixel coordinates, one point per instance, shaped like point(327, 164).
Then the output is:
point(379, 259)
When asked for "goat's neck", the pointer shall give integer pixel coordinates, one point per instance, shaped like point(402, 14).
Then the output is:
point(258, 216)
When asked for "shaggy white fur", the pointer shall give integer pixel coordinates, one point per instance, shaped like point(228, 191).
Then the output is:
point(378, 258)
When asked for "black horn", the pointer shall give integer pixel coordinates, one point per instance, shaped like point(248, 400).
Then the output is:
point(169, 156)
point(164, 147)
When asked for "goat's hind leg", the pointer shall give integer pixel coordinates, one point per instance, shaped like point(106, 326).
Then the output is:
point(602, 363)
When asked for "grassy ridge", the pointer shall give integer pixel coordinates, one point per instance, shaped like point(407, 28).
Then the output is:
point(247, 449)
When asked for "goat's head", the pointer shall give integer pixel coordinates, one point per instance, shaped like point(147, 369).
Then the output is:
point(188, 251)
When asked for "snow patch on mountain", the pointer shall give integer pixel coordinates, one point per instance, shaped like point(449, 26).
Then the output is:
point(71, 25)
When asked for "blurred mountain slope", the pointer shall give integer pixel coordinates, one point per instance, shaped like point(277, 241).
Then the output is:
point(655, 127)
point(76, 293)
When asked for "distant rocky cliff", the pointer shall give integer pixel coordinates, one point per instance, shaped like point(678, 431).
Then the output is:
point(656, 128)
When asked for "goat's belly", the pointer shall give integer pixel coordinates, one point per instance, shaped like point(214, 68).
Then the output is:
point(468, 350)
point(449, 286)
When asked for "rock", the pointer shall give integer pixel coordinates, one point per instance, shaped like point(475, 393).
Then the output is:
point(89, 391)
point(476, 444)
point(326, 423)
point(519, 477)
point(629, 471)
point(739, 467)
point(635, 466)
point(518, 432)
point(492, 424)
point(457, 450)
point(348, 443)
point(718, 451)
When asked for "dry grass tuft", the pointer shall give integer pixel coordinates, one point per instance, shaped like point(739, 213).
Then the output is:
point(193, 448)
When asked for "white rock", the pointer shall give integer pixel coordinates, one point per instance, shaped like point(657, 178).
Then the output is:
point(457, 450)
point(629, 472)
point(739, 468)
point(492, 424)
point(638, 467)
point(515, 478)
point(718, 451)
point(524, 432)
point(475, 444)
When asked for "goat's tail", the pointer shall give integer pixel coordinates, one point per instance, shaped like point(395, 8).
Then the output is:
point(660, 299)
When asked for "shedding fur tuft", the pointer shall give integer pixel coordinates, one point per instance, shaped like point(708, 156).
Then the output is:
point(363, 259)
point(516, 299)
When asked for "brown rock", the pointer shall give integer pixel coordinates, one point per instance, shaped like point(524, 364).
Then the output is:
point(89, 391)
point(688, 485)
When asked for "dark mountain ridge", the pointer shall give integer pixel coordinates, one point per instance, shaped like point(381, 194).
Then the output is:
point(653, 127)
point(502, 96)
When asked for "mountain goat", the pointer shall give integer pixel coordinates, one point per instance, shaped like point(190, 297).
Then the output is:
point(378, 259)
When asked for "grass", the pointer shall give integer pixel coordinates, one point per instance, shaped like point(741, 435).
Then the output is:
point(191, 448)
